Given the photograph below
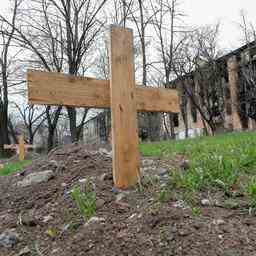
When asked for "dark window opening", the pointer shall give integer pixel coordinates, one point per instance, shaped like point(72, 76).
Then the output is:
point(227, 93)
point(194, 113)
point(226, 77)
point(176, 119)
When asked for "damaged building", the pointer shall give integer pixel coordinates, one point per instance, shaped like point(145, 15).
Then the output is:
point(230, 106)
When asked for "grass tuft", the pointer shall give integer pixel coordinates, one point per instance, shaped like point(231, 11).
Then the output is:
point(224, 162)
point(84, 200)
point(251, 192)
point(14, 167)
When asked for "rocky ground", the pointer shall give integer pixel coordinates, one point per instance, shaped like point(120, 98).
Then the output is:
point(38, 216)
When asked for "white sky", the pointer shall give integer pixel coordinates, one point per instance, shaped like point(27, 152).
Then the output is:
point(227, 12)
point(201, 12)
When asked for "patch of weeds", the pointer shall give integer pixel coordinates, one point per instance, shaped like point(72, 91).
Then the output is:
point(84, 200)
point(195, 211)
point(163, 195)
point(220, 163)
point(251, 192)
point(10, 168)
point(209, 169)
point(140, 187)
point(189, 197)
point(151, 180)
point(148, 181)
point(74, 226)
point(175, 179)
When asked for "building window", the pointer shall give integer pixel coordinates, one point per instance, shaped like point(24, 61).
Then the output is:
point(193, 113)
point(176, 119)
point(226, 77)
point(227, 93)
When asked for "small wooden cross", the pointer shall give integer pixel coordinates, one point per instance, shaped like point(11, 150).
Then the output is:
point(20, 148)
point(120, 94)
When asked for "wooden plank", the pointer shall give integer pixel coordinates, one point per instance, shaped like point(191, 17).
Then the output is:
point(13, 147)
point(21, 148)
point(29, 146)
point(123, 106)
point(157, 99)
point(45, 88)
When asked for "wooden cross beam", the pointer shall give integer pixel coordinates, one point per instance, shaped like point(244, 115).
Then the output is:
point(120, 94)
point(20, 148)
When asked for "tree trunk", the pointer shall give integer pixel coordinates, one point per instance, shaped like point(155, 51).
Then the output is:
point(52, 124)
point(154, 122)
point(171, 119)
point(50, 140)
point(12, 132)
point(4, 136)
point(72, 123)
point(31, 136)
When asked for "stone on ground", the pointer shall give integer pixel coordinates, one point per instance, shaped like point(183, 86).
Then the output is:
point(9, 239)
point(36, 178)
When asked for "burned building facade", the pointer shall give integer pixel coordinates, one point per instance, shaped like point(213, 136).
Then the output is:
point(218, 99)
point(225, 96)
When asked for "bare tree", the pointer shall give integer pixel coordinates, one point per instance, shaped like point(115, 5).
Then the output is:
point(32, 118)
point(122, 12)
point(81, 29)
point(5, 69)
point(45, 53)
point(199, 70)
point(169, 30)
point(60, 35)
point(141, 16)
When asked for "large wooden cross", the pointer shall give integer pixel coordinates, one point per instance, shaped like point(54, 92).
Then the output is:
point(120, 94)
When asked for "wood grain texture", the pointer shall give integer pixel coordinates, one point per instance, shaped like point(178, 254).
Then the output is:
point(45, 88)
point(123, 106)
point(232, 66)
point(16, 146)
point(21, 148)
point(157, 99)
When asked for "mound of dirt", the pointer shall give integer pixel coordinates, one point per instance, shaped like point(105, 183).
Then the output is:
point(44, 220)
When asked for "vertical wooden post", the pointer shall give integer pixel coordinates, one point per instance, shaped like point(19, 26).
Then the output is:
point(123, 106)
point(233, 77)
point(21, 148)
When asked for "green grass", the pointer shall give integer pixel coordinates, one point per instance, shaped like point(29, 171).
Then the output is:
point(10, 168)
point(226, 162)
point(251, 191)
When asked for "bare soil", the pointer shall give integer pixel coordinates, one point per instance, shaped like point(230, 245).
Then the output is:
point(138, 224)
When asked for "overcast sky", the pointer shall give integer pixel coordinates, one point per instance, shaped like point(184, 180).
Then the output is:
point(200, 12)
